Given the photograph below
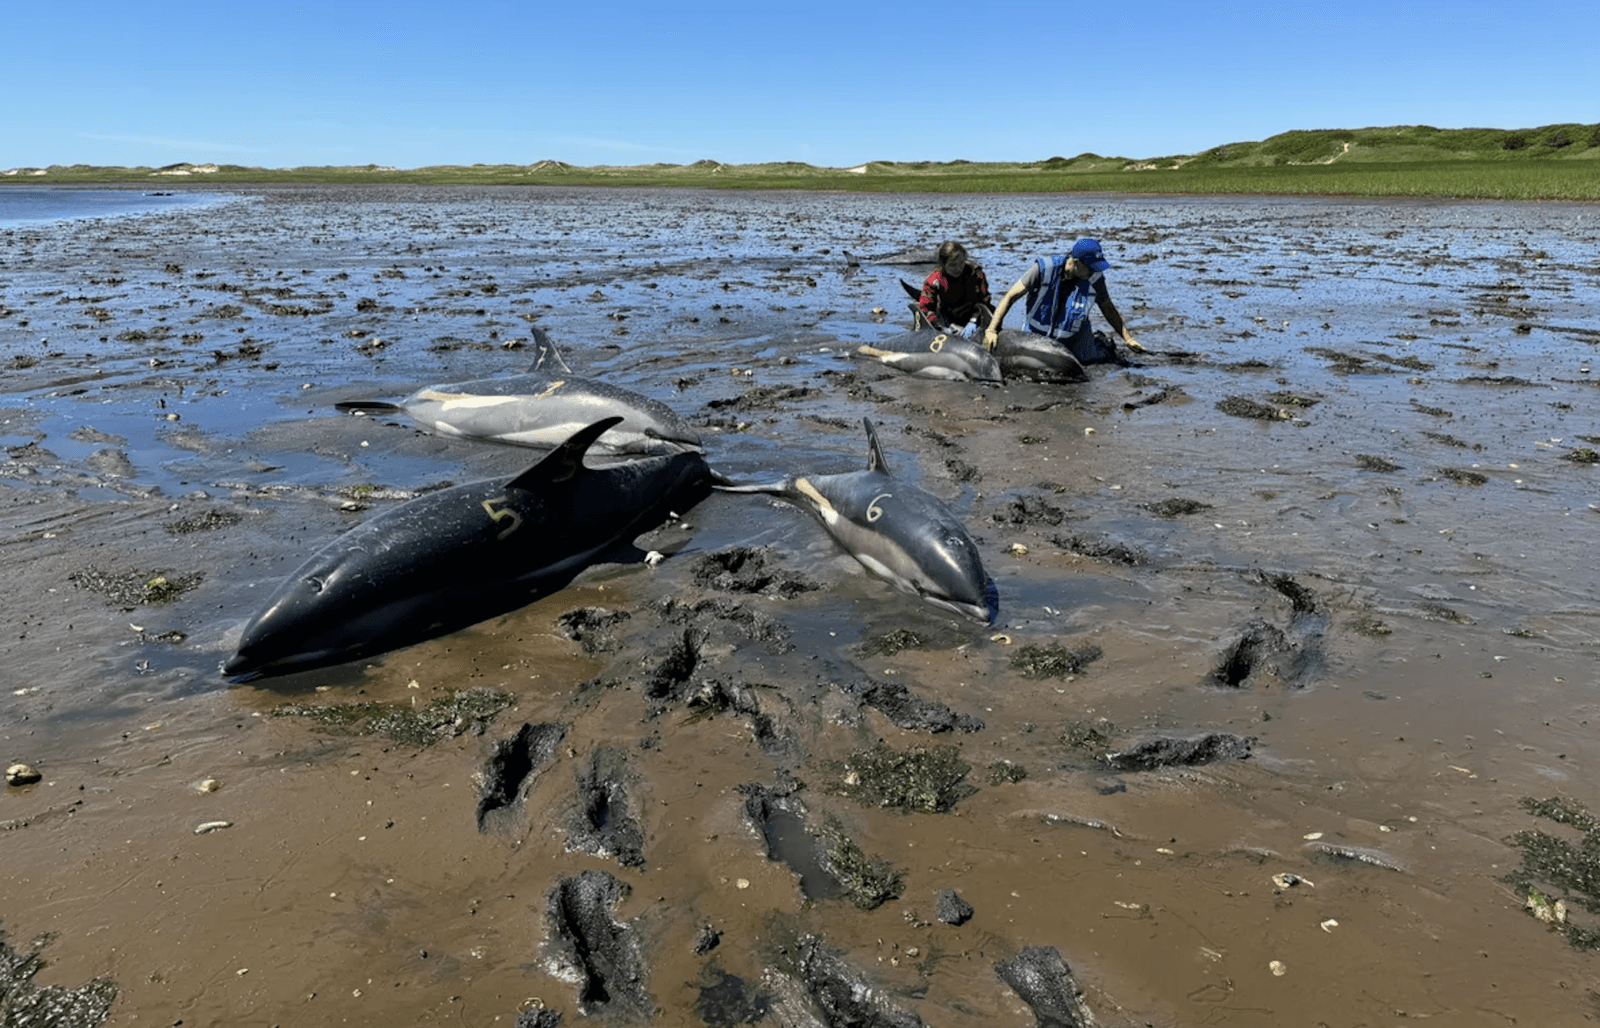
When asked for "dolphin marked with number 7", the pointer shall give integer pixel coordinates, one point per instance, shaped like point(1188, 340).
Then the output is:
point(898, 531)
point(448, 559)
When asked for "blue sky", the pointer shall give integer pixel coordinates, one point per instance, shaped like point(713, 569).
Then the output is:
point(406, 84)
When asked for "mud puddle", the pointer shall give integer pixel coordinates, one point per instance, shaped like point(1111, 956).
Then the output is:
point(1326, 545)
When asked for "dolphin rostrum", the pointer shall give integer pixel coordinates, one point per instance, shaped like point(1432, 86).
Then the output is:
point(448, 559)
point(898, 531)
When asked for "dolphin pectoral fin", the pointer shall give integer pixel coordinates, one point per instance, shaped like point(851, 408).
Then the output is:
point(875, 461)
point(912, 291)
point(724, 485)
point(367, 407)
point(565, 461)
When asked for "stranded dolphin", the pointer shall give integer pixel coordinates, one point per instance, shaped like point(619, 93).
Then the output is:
point(450, 558)
point(897, 531)
point(1028, 355)
point(542, 408)
point(929, 353)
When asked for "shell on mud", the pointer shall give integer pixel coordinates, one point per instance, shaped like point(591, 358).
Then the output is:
point(22, 774)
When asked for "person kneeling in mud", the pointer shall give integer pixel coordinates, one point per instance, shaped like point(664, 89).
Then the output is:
point(1058, 289)
point(955, 298)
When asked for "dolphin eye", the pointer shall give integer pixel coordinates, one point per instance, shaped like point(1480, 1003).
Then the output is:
point(314, 582)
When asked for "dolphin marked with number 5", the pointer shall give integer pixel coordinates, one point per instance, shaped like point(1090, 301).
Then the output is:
point(448, 559)
point(898, 531)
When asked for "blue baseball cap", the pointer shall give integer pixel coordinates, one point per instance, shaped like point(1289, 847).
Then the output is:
point(1088, 251)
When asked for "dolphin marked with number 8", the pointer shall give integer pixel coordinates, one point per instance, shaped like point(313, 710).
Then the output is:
point(897, 531)
point(448, 559)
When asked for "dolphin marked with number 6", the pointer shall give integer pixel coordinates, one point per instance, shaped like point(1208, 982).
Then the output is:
point(448, 559)
point(898, 531)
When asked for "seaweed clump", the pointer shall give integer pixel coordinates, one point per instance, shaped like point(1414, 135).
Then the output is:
point(1054, 660)
point(24, 1004)
point(1583, 455)
point(467, 709)
point(924, 779)
point(1557, 871)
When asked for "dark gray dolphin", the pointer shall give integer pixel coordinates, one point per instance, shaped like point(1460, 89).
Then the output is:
point(896, 530)
point(451, 558)
point(929, 353)
point(1033, 356)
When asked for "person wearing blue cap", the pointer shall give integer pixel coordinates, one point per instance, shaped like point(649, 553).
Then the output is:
point(1059, 289)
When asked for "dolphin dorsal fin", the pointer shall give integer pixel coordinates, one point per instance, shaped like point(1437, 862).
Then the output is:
point(875, 461)
point(563, 463)
point(547, 352)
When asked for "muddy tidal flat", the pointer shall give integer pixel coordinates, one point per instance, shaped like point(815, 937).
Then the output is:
point(1286, 720)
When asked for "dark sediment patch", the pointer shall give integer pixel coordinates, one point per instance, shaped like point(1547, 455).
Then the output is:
point(724, 616)
point(952, 909)
point(1288, 399)
point(1045, 983)
point(1324, 852)
point(827, 992)
point(1450, 440)
point(1100, 549)
point(602, 822)
point(593, 628)
point(459, 712)
point(1004, 772)
point(763, 398)
point(26, 1005)
point(1437, 412)
point(539, 1017)
point(671, 676)
point(587, 945)
point(907, 710)
point(1369, 462)
point(1493, 380)
point(511, 768)
point(1243, 407)
point(1030, 510)
point(1462, 476)
point(742, 569)
point(1560, 871)
point(131, 589)
point(207, 521)
point(1181, 751)
point(725, 1000)
point(1175, 507)
point(1054, 660)
point(764, 708)
point(779, 816)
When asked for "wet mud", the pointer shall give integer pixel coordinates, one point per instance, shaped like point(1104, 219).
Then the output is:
point(1285, 719)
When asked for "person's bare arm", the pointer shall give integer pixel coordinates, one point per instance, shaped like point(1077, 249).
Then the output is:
point(1114, 319)
point(991, 335)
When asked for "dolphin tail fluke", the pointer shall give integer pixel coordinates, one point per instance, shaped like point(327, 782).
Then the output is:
point(875, 461)
point(564, 462)
point(367, 407)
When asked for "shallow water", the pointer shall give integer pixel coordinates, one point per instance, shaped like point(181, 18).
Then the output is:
point(162, 367)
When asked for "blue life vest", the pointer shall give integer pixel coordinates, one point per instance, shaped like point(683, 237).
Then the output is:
point(1059, 304)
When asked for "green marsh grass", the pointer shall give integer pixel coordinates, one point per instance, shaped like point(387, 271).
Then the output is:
point(1555, 162)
